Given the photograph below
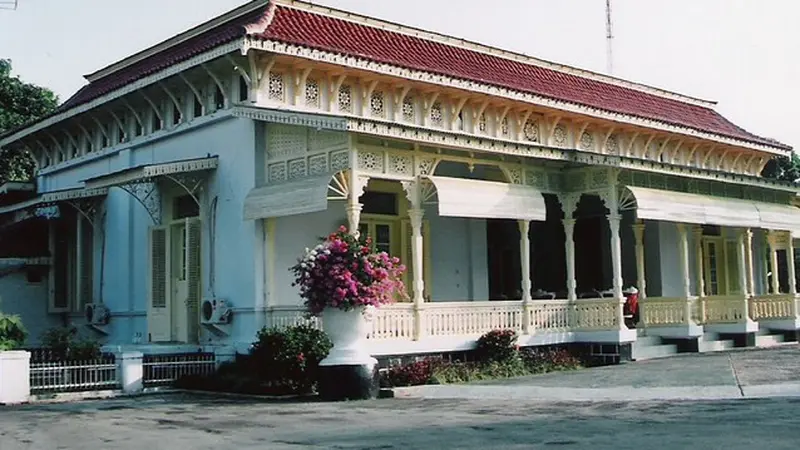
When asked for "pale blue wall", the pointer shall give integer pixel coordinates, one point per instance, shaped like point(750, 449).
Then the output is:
point(29, 301)
point(237, 242)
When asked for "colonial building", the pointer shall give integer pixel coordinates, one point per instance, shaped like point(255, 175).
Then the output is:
point(181, 183)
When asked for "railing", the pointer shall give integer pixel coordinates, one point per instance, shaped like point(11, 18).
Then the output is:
point(163, 370)
point(665, 311)
point(71, 376)
point(774, 306)
point(288, 316)
point(723, 309)
point(470, 318)
point(550, 315)
point(393, 322)
point(596, 314)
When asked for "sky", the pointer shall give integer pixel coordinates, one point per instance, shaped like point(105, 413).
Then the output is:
point(741, 53)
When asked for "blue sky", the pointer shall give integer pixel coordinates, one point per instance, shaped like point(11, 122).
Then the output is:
point(741, 53)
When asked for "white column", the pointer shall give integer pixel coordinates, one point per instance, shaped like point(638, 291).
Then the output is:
point(683, 255)
point(740, 250)
point(790, 267)
point(569, 243)
point(415, 216)
point(616, 254)
point(638, 233)
point(698, 256)
point(78, 280)
point(748, 248)
point(683, 244)
point(525, 264)
point(355, 187)
point(773, 257)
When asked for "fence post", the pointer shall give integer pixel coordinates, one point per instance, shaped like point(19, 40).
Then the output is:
point(15, 377)
point(224, 355)
point(130, 371)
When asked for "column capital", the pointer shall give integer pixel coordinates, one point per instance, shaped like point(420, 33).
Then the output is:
point(524, 226)
point(614, 217)
point(415, 215)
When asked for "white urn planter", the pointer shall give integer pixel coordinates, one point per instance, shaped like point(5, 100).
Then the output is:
point(349, 372)
point(15, 385)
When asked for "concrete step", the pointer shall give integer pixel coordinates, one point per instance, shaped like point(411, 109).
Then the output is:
point(709, 336)
point(769, 340)
point(705, 346)
point(654, 351)
point(647, 341)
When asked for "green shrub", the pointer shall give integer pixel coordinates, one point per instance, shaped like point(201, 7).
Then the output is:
point(497, 345)
point(411, 374)
point(289, 356)
point(12, 332)
point(549, 359)
point(64, 344)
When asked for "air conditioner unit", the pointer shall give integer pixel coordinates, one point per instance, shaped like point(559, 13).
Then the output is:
point(215, 311)
point(97, 314)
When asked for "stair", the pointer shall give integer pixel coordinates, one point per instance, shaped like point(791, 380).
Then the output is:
point(765, 339)
point(711, 342)
point(651, 347)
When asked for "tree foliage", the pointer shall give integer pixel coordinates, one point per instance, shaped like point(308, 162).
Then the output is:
point(20, 104)
point(783, 168)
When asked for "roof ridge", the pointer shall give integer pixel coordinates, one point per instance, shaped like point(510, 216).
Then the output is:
point(179, 38)
point(454, 41)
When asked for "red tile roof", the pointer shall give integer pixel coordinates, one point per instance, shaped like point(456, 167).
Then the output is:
point(332, 34)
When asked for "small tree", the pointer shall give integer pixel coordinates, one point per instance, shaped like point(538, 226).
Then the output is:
point(12, 332)
point(20, 104)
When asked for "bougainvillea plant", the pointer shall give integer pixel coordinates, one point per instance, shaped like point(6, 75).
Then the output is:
point(344, 272)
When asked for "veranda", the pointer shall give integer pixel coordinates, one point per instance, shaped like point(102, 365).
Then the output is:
point(560, 247)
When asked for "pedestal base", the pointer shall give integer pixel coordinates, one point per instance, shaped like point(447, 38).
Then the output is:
point(350, 382)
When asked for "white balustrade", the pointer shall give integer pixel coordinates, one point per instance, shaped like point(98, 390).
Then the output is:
point(780, 306)
point(393, 322)
point(664, 311)
point(447, 319)
point(724, 309)
point(595, 314)
point(471, 318)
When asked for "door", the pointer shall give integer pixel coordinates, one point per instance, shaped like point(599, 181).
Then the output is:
point(178, 283)
point(159, 313)
point(713, 258)
point(185, 280)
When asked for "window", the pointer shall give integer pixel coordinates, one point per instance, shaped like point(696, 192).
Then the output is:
point(177, 115)
point(244, 90)
point(720, 266)
point(219, 98)
point(198, 108)
point(184, 207)
point(73, 263)
point(383, 203)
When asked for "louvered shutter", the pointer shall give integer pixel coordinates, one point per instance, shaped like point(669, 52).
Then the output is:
point(159, 318)
point(732, 265)
point(193, 277)
point(86, 283)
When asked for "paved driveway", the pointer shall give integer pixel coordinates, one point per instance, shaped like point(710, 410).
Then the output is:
point(184, 421)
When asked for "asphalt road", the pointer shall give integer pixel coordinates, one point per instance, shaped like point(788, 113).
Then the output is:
point(500, 415)
point(201, 422)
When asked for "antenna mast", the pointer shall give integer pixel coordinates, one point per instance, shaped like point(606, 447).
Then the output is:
point(609, 40)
